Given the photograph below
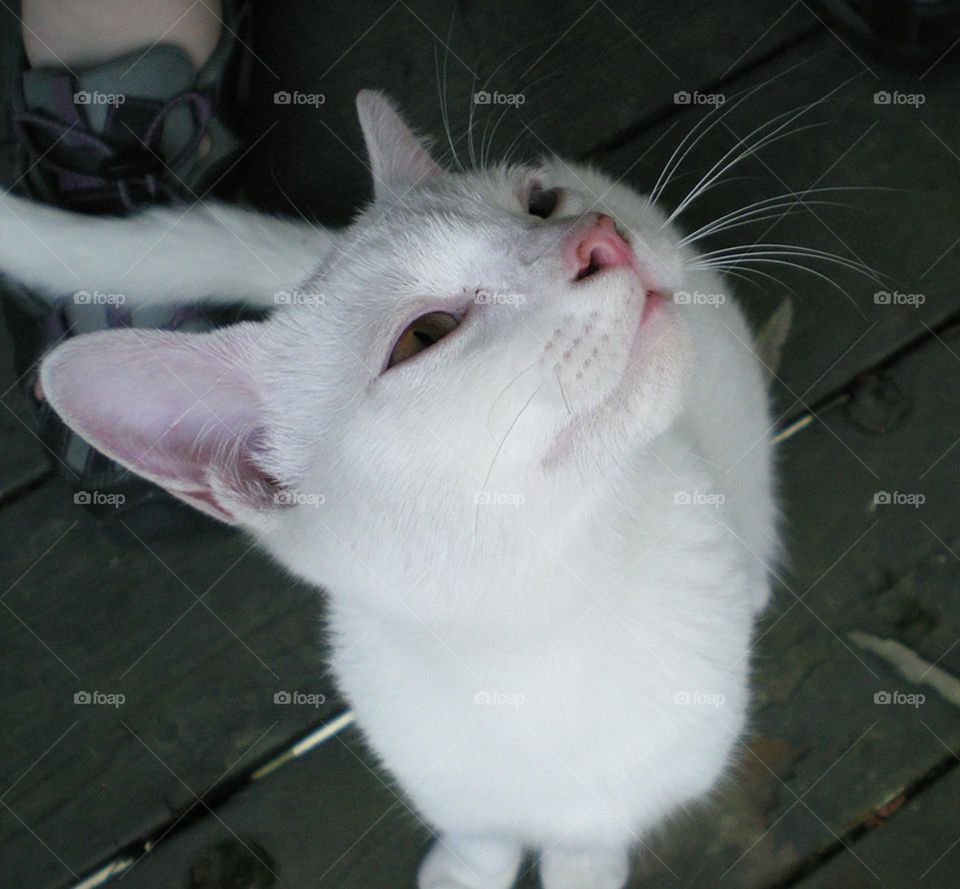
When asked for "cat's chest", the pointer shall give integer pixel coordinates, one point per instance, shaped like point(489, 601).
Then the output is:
point(599, 706)
point(631, 646)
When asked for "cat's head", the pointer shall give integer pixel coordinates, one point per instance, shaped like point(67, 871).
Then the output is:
point(473, 342)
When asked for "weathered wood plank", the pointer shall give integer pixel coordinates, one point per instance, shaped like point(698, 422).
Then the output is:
point(84, 613)
point(327, 820)
point(24, 461)
point(912, 844)
point(586, 72)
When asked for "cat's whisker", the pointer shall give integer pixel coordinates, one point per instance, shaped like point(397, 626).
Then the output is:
point(761, 214)
point(727, 180)
point(676, 158)
point(444, 109)
point(516, 143)
point(496, 453)
point(501, 393)
point(752, 283)
point(674, 162)
point(507, 109)
point(725, 267)
point(749, 149)
point(658, 189)
point(563, 394)
point(470, 121)
point(743, 275)
point(762, 249)
point(486, 83)
point(786, 199)
point(722, 165)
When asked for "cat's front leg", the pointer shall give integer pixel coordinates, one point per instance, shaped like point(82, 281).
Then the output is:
point(563, 867)
point(458, 862)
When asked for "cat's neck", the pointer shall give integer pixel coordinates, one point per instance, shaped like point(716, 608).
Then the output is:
point(620, 532)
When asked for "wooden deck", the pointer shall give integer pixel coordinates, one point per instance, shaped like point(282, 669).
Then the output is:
point(199, 634)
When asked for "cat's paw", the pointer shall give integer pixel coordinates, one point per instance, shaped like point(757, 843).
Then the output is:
point(562, 868)
point(468, 863)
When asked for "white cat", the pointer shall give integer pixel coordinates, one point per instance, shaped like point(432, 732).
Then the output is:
point(535, 482)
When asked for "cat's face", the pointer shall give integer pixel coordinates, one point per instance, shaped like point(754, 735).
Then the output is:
point(470, 339)
point(493, 322)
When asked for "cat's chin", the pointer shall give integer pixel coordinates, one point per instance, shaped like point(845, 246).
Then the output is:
point(642, 403)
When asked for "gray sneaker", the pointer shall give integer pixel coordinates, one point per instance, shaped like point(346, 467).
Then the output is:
point(141, 129)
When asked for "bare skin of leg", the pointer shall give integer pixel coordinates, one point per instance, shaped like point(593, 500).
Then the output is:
point(82, 32)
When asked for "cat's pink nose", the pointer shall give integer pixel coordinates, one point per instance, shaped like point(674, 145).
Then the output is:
point(598, 247)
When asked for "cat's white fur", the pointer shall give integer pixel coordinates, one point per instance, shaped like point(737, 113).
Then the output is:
point(544, 642)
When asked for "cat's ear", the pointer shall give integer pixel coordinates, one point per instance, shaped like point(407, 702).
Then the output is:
point(398, 159)
point(182, 410)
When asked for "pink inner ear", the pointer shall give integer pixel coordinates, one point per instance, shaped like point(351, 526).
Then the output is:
point(179, 409)
point(398, 159)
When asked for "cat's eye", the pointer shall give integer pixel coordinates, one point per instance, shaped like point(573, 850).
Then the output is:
point(542, 201)
point(420, 334)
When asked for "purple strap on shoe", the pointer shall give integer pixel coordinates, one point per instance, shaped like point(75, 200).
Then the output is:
point(120, 171)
